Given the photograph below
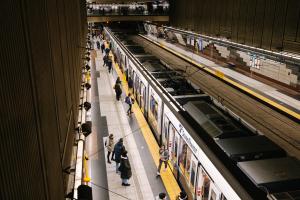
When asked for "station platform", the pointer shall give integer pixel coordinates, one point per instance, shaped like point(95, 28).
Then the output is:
point(109, 117)
point(262, 91)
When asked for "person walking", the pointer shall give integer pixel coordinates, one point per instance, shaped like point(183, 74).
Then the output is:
point(109, 146)
point(130, 84)
point(107, 50)
point(105, 58)
point(129, 101)
point(118, 91)
point(118, 81)
point(102, 46)
point(118, 150)
point(163, 158)
point(125, 169)
point(109, 64)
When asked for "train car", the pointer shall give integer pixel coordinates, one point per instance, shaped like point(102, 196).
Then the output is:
point(208, 157)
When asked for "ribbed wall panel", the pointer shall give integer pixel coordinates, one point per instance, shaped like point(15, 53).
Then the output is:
point(40, 67)
point(269, 24)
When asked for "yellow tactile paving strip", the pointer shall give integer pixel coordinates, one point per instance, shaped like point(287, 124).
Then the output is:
point(167, 177)
point(223, 77)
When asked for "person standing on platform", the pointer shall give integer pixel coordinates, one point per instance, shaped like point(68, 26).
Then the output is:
point(109, 64)
point(118, 91)
point(163, 158)
point(109, 146)
point(130, 84)
point(107, 50)
point(118, 81)
point(105, 58)
point(125, 169)
point(118, 150)
point(129, 101)
point(102, 47)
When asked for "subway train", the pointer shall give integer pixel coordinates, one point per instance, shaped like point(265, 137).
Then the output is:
point(214, 154)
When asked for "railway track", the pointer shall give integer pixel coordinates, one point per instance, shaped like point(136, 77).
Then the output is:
point(279, 128)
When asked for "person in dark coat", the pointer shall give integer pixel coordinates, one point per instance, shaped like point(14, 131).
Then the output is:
point(125, 169)
point(118, 81)
point(102, 47)
point(107, 50)
point(105, 59)
point(118, 150)
point(109, 64)
point(118, 91)
point(130, 84)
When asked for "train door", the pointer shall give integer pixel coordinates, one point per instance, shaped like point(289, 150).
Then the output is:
point(134, 80)
point(203, 184)
point(137, 93)
point(173, 148)
point(165, 132)
point(143, 97)
point(214, 192)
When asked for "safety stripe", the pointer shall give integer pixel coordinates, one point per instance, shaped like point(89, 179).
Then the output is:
point(223, 77)
point(167, 177)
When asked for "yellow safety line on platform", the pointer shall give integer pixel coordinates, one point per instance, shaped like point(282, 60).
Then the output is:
point(167, 177)
point(223, 77)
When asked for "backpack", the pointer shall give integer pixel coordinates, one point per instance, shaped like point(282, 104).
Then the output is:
point(127, 100)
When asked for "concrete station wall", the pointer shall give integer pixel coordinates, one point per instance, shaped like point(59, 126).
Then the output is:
point(40, 69)
point(268, 24)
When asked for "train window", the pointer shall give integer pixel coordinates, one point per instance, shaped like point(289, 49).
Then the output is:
point(154, 107)
point(187, 168)
point(193, 172)
point(203, 185)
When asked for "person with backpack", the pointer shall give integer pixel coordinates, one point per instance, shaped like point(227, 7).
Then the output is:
point(163, 158)
point(118, 150)
point(129, 101)
point(109, 146)
point(125, 169)
point(118, 91)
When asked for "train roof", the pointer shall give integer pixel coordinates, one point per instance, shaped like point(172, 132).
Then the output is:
point(212, 121)
point(277, 174)
point(154, 66)
point(180, 85)
point(250, 148)
point(136, 49)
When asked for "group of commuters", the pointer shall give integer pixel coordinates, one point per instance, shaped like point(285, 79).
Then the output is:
point(117, 152)
point(119, 155)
